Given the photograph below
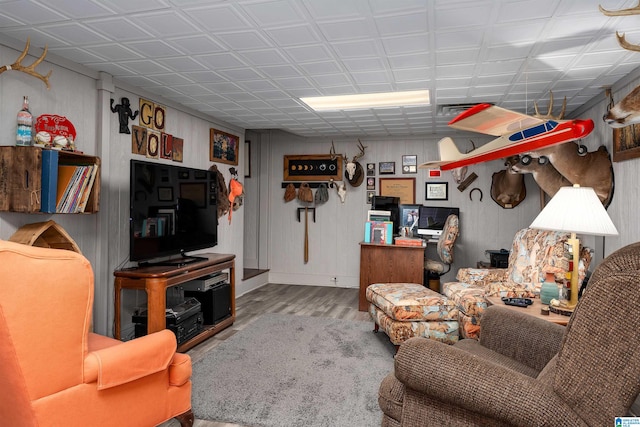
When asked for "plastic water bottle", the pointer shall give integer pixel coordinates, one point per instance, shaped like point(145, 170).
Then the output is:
point(25, 123)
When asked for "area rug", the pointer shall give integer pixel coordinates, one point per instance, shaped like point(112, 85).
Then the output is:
point(285, 370)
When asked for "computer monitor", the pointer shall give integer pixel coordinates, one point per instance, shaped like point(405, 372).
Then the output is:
point(391, 204)
point(431, 220)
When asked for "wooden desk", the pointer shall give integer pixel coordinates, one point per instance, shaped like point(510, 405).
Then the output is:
point(533, 309)
point(387, 264)
point(156, 279)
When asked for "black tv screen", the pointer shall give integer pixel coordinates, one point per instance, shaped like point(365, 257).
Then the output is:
point(173, 210)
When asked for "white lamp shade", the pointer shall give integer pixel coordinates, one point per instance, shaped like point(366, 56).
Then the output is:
point(577, 210)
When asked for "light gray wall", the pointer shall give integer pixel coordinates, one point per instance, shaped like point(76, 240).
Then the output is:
point(334, 238)
point(83, 97)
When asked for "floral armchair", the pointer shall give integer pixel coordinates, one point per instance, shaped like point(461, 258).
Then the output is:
point(533, 254)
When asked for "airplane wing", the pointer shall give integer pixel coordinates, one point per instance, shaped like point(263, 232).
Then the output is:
point(492, 120)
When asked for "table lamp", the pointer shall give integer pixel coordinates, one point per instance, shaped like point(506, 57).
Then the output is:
point(579, 211)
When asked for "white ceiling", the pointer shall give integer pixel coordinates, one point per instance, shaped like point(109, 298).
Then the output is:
point(247, 62)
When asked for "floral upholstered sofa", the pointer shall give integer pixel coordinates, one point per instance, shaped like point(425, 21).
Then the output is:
point(533, 254)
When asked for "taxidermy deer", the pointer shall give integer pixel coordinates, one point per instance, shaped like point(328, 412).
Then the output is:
point(623, 12)
point(29, 69)
point(507, 188)
point(625, 112)
point(592, 169)
point(353, 169)
point(459, 174)
point(546, 176)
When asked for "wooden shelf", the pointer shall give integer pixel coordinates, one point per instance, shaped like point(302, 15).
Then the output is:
point(155, 280)
point(27, 183)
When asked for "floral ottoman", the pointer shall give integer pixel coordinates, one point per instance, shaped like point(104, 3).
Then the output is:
point(406, 310)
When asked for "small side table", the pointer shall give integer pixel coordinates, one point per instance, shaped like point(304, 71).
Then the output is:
point(533, 310)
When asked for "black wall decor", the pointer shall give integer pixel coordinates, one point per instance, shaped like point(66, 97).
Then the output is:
point(124, 113)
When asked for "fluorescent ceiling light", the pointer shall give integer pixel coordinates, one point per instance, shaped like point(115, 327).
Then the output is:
point(368, 100)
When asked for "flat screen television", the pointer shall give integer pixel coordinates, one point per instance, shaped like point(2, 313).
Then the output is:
point(391, 204)
point(431, 219)
point(173, 210)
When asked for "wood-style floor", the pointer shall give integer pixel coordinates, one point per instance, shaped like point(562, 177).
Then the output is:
point(318, 301)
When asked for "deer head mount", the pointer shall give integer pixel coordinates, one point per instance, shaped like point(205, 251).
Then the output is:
point(549, 114)
point(29, 69)
point(354, 172)
point(624, 113)
point(623, 12)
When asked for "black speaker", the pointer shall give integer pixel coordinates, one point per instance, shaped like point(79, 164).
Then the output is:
point(216, 302)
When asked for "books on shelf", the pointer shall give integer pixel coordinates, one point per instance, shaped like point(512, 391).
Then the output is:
point(75, 183)
point(380, 232)
point(410, 241)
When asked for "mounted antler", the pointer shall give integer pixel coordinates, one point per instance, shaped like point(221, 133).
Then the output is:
point(353, 169)
point(549, 114)
point(333, 154)
point(361, 153)
point(30, 69)
point(623, 12)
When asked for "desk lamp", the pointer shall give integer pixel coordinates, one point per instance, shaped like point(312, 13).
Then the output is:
point(579, 211)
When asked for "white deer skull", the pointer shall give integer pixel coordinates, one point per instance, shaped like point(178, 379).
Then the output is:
point(352, 166)
point(459, 174)
point(340, 187)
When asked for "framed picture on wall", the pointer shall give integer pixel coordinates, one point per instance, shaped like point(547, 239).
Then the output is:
point(437, 191)
point(223, 147)
point(405, 188)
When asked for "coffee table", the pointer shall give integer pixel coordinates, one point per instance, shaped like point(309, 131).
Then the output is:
point(533, 309)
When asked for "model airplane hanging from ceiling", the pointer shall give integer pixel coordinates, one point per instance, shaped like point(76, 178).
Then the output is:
point(517, 133)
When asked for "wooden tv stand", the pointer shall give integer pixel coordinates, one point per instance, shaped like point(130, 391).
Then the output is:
point(155, 280)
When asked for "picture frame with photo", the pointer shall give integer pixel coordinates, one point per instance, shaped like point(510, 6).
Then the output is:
point(436, 191)
point(170, 220)
point(410, 164)
point(387, 168)
point(165, 194)
point(370, 195)
point(223, 147)
point(371, 169)
point(371, 183)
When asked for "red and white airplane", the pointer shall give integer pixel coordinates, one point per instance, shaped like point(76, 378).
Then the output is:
point(517, 133)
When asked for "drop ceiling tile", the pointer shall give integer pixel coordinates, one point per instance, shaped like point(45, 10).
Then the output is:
point(274, 13)
point(79, 10)
point(410, 75)
point(196, 45)
point(402, 24)
point(166, 24)
point(364, 64)
point(145, 67)
point(240, 74)
point(295, 83)
point(38, 38)
point(411, 61)
point(457, 57)
point(263, 57)
point(257, 86)
point(402, 45)
point(346, 30)
point(204, 76)
point(31, 13)
point(218, 18)
point(136, 80)
point(462, 39)
point(245, 40)
point(469, 16)
point(128, 6)
point(75, 54)
point(293, 35)
point(325, 67)
point(169, 79)
point(121, 28)
point(308, 53)
point(182, 64)
point(114, 52)
point(280, 71)
point(328, 80)
point(220, 61)
point(153, 49)
point(223, 88)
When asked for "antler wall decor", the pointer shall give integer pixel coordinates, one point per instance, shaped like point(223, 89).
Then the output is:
point(623, 12)
point(29, 69)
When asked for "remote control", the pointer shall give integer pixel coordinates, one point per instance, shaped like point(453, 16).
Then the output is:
point(518, 302)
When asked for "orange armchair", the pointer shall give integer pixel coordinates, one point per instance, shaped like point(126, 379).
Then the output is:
point(54, 372)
